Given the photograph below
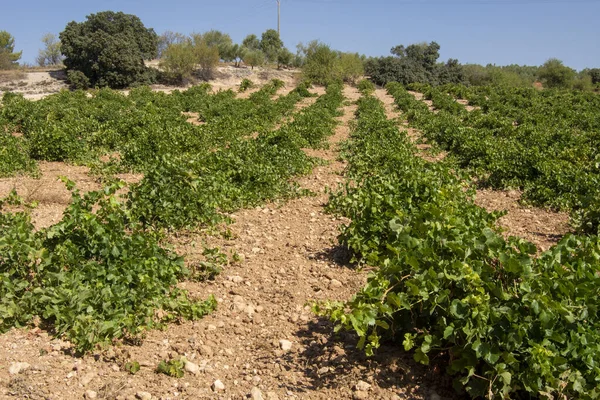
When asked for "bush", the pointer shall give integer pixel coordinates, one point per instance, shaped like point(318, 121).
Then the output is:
point(366, 86)
point(178, 62)
point(109, 49)
point(556, 75)
point(78, 80)
point(245, 85)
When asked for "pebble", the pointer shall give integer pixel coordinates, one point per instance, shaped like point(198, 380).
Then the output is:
point(218, 386)
point(206, 351)
point(362, 386)
point(256, 394)
point(236, 279)
point(143, 396)
point(192, 368)
point(18, 367)
point(285, 345)
point(90, 394)
point(334, 283)
point(360, 395)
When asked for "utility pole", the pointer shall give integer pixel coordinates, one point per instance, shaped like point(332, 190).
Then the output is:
point(279, 18)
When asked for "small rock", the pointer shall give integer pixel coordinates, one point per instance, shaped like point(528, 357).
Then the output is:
point(362, 386)
point(143, 396)
point(256, 394)
point(334, 283)
point(211, 328)
point(218, 386)
point(285, 345)
point(323, 370)
point(18, 367)
point(206, 351)
point(90, 394)
point(192, 368)
point(272, 396)
point(360, 395)
point(87, 378)
point(236, 279)
point(395, 397)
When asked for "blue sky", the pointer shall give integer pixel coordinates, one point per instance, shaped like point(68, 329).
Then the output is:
point(474, 31)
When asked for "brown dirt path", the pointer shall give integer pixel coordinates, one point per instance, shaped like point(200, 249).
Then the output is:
point(263, 339)
point(542, 227)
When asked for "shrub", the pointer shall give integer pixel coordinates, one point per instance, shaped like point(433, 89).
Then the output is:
point(78, 80)
point(178, 62)
point(109, 49)
point(365, 86)
point(245, 85)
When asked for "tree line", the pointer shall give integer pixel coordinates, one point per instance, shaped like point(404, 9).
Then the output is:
point(110, 49)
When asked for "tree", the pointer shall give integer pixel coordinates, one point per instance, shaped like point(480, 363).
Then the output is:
point(179, 61)
point(109, 48)
point(237, 53)
point(254, 58)
point(207, 56)
point(271, 45)
point(50, 54)
point(285, 58)
point(8, 58)
point(594, 74)
point(323, 65)
point(221, 41)
point(556, 75)
point(168, 38)
point(251, 42)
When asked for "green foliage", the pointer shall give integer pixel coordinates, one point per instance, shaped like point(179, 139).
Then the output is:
point(491, 75)
point(416, 63)
point(449, 288)
point(322, 65)
point(78, 80)
point(168, 38)
point(133, 367)
point(285, 58)
point(245, 85)
point(8, 58)
point(14, 156)
point(254, 58)
point(93, 277)
point(556, 75)
point(271, 45)
point(219, 40)
point(365, 86)
point(543, 142)
point(251, 42)
point(50, 55)
point(173, 368)
point(207, 56)
point(109, 49)
point(178, 62)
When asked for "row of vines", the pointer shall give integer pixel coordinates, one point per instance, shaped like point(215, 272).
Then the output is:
point(105, 272)
point(446, 285)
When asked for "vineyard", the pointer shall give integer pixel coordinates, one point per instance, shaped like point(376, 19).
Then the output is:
point(230, 241)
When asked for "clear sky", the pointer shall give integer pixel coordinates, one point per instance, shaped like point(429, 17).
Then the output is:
point(474, 31)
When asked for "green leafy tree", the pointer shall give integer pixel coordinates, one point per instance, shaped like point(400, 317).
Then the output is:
point(554, 74)
point(251, 42)
point(207, 56)
point(168, 38)
point(8, 58)
point(109, 48)
point(222, 41)
point(237, 53)
point(285, 58)
point(594, 74)
point(324, 65)
point(50, 54)
point(179, 61)
point(271, 45)
point(254, 58)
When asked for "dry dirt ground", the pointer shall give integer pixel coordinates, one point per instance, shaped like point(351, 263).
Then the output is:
point(542, 227)
point(39, 84)
point(262, 342)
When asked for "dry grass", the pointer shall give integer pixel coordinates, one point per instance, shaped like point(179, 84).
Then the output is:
point(12, 75)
